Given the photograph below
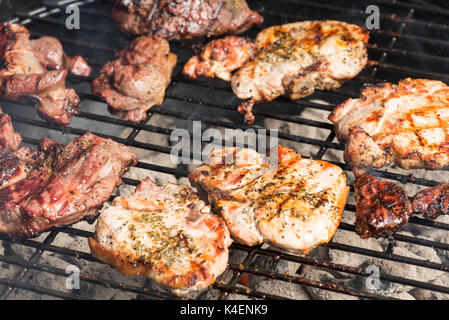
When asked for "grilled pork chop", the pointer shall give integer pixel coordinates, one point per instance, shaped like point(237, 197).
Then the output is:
point(432, 202)
point(219, 58)
point(180, 19)
point(56, 185)
point(137, 80)
point(407, 124)
point(165, 233)
point(295, 205)
point(382, 207)
point(297, 58)
point(36, 70)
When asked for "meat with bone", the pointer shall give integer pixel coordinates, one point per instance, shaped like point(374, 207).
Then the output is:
point(297, 58)
point(432, 202)
point(166, 233)
point(57, 185)
point(407, 124)
point(219, 58)
point(137, 80)
point(382, 207)
point(179, 19)
point(296, 204)
point(35, 70)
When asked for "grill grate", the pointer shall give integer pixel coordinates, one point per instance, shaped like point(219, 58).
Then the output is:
point(412, 42)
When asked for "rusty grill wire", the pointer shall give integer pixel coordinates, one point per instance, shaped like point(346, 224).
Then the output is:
point(412, 42)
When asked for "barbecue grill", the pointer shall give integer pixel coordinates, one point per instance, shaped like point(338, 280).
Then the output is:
point(414, 263)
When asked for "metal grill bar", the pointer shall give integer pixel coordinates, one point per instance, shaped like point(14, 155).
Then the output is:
point(231, 286)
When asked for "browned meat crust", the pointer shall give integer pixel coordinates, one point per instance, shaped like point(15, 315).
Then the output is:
point(86, 173)
point(406, 124)
point(382, 208)
point(35, 70)
point(180, 19)
point(137, 80)
point(219, 58)
point(50, 53)
point(9, 140)
point(57, 185)
point(432, 202)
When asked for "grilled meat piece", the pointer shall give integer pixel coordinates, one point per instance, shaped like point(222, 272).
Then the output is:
point(137, 80)
point(179, 19)
point(297, 58)
point(9, 140)
point(35, 70)
point(57, 185)
point(432, 202)
point(166, 233)
point(51, 55)
point(28, 171)
point(295, 205)
point(86, 172)
point(382, 208)
point(405, 123)
point(54, 102)
point(219, 58)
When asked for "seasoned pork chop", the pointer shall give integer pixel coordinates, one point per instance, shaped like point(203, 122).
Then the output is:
point(58, 185)
point(382, 207)
point(407, 124)
point(165, 233)
point(219, 58)
point(297, 58)
point(295, 205)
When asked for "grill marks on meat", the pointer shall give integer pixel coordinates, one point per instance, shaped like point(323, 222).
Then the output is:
point(407, 124)
point(179, 19)
point(35, 70)
point(297, 58)
point(137, 80)
point(219, 58)
point(295, 205)
point(86, 173)
point(432, 202)
point(58, 185)
point(32, 171)
point(382, 208)
point(166, 233)
point(51, 55)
